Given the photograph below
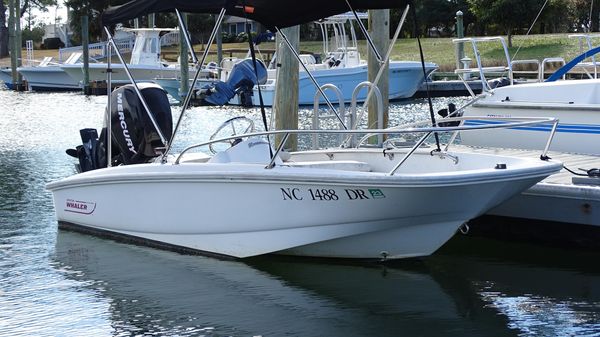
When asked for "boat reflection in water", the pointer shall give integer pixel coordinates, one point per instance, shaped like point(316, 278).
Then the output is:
point(541, 291)
point(154, 291)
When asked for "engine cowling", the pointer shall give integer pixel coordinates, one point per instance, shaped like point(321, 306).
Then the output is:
point(133, 133)
point(134, 137)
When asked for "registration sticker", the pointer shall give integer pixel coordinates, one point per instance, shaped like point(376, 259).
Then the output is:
point(376, 193)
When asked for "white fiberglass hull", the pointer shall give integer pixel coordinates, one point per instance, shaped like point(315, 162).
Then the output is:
point(48, 78)
point(97, 72)
point(243, 210)
point(575, 103)
point(6, 77)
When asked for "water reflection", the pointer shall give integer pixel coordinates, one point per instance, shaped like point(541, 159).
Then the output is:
point(153, 291)
point(541, 291)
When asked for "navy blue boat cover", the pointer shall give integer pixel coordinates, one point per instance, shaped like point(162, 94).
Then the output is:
point(270, 13)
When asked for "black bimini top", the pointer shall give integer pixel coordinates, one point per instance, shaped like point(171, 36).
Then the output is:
point(270, 13)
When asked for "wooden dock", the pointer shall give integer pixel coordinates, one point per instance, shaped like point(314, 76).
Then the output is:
point(563, 209)
point(447, 88)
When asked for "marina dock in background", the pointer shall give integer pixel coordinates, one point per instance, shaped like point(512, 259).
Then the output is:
point(562, 209)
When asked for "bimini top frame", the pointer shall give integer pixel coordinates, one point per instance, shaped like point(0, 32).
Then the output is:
point(273, 14)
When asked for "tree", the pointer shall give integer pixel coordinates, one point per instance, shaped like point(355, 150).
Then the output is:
point(439, 14)
point(509, 15)
point(39, 4)
point(93, 9)
point(3, 31)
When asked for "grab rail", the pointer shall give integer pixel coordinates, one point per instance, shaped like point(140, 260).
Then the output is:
point(517, 122)
point(378, 103)
point(316, 102)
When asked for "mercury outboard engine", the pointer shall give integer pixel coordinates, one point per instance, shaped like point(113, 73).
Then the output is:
point(134, 138)
point(241, 81)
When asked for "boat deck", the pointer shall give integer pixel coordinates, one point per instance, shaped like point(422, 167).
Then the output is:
point(562, 197)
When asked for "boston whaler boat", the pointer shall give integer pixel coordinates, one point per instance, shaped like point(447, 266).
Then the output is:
point(252, 198)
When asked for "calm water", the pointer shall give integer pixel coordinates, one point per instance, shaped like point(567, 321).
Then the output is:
point(57, 283)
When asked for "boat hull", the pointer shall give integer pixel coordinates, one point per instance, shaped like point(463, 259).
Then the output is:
point(97, 72)
point(50, 78)
point(574, 103)
point(6, 77)
point(248, 210)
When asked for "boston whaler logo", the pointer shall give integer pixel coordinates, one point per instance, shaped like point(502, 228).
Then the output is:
point(124, 124)
point(81, 207)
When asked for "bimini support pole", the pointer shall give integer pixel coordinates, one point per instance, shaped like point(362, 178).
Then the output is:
point(109, 105)
point(366, 33)
point(135, 86)
point(186, 36)
point(199, 64)
point(312, 78)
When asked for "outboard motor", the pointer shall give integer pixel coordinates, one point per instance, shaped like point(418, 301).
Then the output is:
point(241, 81)
point(134, 138)
point(498, 82)
point(445, 112)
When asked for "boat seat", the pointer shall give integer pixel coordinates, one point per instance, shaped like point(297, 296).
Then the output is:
point(46, 61)
point(74, 58)
point(341, 165)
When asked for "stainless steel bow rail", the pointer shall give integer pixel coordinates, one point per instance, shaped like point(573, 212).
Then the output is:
point(404, 129)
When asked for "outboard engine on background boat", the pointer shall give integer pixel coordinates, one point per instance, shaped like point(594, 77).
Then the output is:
point(498, 82)
point(241, 81)
point(446, 112)
point(134, 138)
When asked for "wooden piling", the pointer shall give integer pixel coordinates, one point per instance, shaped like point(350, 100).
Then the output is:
point(460, 33)
point(86, 54)
point(11, 40)
point(18, 44)
point(285, 104)
point(151, 20)
point(379, 29)
point(183, 58)
point(219, 48)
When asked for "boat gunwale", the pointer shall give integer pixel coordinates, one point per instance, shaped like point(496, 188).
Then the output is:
point(319, 176)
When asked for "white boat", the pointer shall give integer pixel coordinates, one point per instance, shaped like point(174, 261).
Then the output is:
point(573, 102)
point(341, 66)
point(565, 199)
point(251, 199)
point(48, 76)
point(6, 77)
point(145, 63)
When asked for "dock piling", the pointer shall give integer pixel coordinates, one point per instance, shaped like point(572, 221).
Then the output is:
point(379, 28)
point(86, 54)
point(285, 103)
point(183, 57)
point(460, 33)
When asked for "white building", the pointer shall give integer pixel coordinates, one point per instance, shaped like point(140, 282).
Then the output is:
point(235, 25)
